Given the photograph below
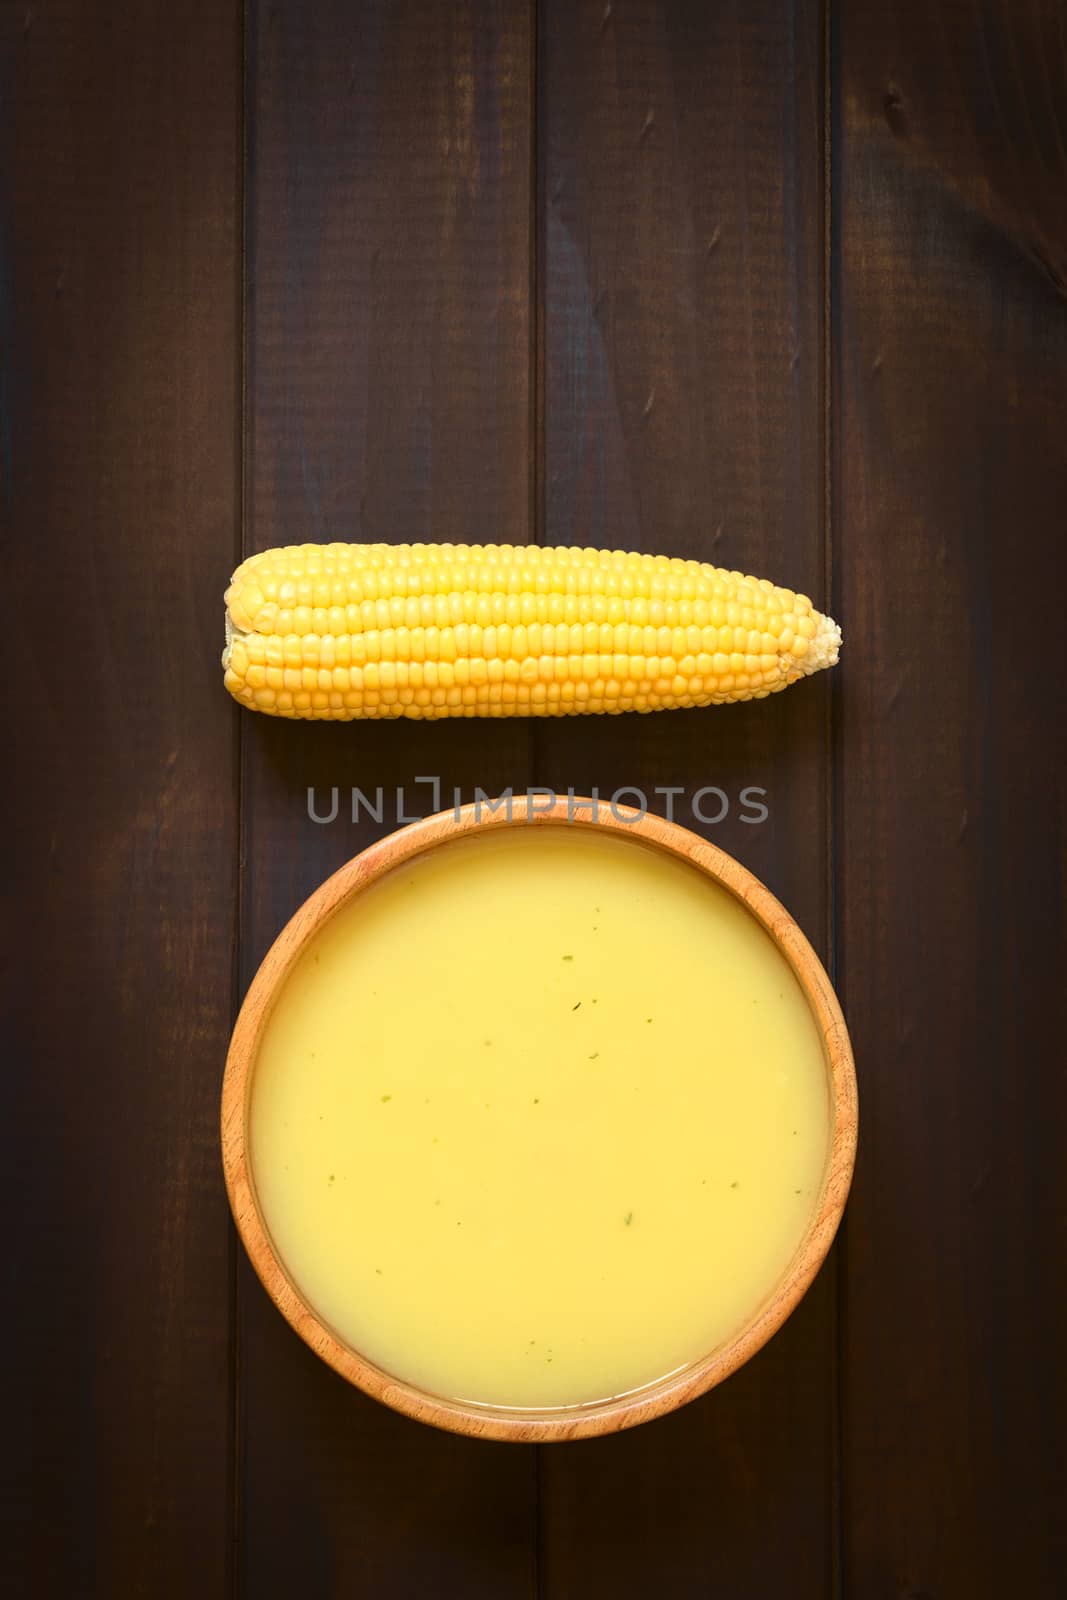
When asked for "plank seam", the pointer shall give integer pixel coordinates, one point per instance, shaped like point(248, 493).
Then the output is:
point(536, 530)
point(831, 287)
point(240, 543)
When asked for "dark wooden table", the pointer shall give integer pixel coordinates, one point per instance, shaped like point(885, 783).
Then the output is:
point(778, 285)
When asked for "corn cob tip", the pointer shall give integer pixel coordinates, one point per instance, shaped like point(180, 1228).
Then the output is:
point(824, 648)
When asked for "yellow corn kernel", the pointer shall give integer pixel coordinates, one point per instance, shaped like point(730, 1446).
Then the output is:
point(337, 631)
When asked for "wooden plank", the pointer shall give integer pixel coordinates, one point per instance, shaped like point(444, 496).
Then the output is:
point(951, 359)
point(683, 354)
point(389, 396)
point(119, 464)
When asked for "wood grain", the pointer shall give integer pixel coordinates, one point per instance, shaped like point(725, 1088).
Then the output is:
point(681, 213)
point(389, 395)
point(119, 467)
point(951, 365)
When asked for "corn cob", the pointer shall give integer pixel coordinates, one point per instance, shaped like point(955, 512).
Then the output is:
point(340, 631)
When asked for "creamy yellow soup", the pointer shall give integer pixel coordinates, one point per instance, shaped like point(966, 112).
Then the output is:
point(539, 1118)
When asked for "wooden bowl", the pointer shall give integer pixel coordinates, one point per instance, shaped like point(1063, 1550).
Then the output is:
point(572, 1422)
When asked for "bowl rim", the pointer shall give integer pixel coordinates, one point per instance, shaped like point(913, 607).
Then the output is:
point(656, 1399)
